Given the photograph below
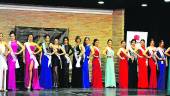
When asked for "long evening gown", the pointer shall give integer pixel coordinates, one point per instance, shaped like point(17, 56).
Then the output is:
point(142, 70)
point(110, 79)
point(56, 66)
point(85, 68)
point(168, 81)
point(76, 81)
point(123, 71)
point(45, 73)
point(152, 65)
point(12, 61)
point(3, 67)
point(65, 71)
point(162, 69)
point(63, 74)
point(96, 70)
point(35, 78)
point(132, 70)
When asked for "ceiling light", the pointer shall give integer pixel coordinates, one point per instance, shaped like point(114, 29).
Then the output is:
point(167, 0)
point(100, 2)
point(144, 5)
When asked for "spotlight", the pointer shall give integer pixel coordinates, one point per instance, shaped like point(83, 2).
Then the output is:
point(144, 5)
point(100, 2)
point(167, 0)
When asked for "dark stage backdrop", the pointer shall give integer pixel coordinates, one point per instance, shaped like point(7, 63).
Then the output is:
point(38, 33)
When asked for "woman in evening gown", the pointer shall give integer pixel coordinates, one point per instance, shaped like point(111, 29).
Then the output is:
point(68, 65)
point(85, 66)
point(31, 64)
point(132, 62)
point(110, 79)
point(161, 59)
point(78, 58)
point(45, 61)
point(150, 53)
point(3, 63)
point(142, 66)
point(96, 66)
point(123, 65)
point(167, 52)
point(13, 60)
point(58, 63)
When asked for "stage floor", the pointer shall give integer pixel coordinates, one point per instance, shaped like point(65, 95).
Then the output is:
point(86, 92)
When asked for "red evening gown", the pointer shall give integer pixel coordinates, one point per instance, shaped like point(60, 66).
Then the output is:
point(123, 71)
point(153, 71)
point(142, 70)
point(96, 71)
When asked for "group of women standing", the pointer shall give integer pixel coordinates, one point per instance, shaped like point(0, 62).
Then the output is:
point(141, 67)
point(55, 62)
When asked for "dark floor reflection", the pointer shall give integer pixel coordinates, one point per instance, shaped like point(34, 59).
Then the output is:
point(88, 92)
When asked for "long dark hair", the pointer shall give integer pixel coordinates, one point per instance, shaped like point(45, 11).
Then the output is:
point(77, 37)
point(67, 39)
point(29, 35)
point(109, 40)
point(94, 41)
point(122, 41)
point(12, 32)
point(132, 41)
point(160, 42)
point(84, 43)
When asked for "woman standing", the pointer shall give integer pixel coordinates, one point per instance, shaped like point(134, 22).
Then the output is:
point(96, 66)
point(58, 63)
point(31, 68)
point(168, 79)
point(161, 59)
point(77, 63)
point(65, 72)
point(13, 60)
point(123, 65)
point(110, 80)
point(45, 60)
point(132, 79)
point(142, 67)
point(3, 63)
point(150, 53)
point(85, 66)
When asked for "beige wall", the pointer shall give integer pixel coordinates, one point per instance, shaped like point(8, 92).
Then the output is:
point(101, 26)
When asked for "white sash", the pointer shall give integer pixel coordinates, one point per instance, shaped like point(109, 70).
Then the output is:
point(14, 56)
point(78, 59)
point(46, 54)
point(68, 59)
point(32, 55)
point(142, 49)
point(162, 55)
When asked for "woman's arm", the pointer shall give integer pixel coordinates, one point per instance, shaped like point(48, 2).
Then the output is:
point(22, 48)
point(118, 54)
point(167, 52)
point(82, 50)
point(145, 53)
point(105, 51)
point(72, 50)
point(157, 56)
point(39, 49)
point(64, 52)
point(92, 50)
point(9, 49)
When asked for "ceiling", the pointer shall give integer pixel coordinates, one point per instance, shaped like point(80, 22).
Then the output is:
point(108, 4)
